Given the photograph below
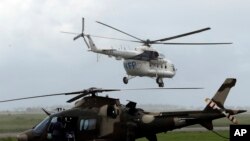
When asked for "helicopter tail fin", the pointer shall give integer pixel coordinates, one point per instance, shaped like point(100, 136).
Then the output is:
point(91, 44)
point(221, 95)
point(217, 102)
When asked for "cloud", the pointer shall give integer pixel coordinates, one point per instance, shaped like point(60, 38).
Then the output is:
point(35, 58)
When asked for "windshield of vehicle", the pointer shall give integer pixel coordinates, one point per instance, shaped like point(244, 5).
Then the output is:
point(39, 128)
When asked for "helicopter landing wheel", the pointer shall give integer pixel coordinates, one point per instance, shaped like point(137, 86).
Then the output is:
point(159, 80)
point(125, 80)
point(161, 84)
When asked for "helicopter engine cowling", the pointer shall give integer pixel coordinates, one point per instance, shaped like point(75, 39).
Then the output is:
point(109, 111)
point(112, 111)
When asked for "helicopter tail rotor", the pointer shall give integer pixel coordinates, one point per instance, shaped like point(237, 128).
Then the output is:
point(82, 34)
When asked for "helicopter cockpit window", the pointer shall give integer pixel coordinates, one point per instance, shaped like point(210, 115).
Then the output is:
point(39, 128)
point(87, 124)
point(173, 68)
point(161, 55)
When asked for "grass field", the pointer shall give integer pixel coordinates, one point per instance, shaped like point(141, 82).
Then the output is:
point(190, 136)
point(8, 139)
point(18, 122)
point(177, 136)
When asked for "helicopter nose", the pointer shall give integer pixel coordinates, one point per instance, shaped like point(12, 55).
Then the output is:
point(22, 137)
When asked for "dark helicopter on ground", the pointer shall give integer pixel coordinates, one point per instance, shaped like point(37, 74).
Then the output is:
point(105, 119)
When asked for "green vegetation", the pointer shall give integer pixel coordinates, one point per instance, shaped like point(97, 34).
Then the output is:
point(18, 122)
point(190, 136)
point(8, 139)
point(178, 136)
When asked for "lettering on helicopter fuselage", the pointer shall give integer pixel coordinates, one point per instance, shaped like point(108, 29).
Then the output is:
point(130, 65)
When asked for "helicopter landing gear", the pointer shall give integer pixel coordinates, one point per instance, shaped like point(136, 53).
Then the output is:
point(125, 79)
point(161, 85)
point(160, 82)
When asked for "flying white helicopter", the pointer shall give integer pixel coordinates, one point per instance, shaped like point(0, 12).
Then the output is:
point(143, 60)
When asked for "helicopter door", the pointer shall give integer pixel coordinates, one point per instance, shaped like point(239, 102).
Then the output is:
point(69, 127)
point(88, 128)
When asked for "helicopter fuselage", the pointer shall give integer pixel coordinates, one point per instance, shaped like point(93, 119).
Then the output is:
point(153, 64)
point(144, 61)
point(105, 119)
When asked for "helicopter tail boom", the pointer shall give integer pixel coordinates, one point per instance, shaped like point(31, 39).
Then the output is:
point(91, 44)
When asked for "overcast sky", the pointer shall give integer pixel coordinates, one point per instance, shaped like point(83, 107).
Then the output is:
point(36, 59)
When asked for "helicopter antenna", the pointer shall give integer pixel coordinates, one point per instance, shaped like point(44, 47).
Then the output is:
point(46, 112)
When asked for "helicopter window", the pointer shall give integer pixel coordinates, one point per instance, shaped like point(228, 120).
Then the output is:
point(87, 124)
point(166, 67)
point(41, 126)
point(53, 121)
point(173, 68)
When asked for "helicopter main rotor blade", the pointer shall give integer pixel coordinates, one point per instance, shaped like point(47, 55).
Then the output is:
point(81, 94)
point(104, 37)
point(142, 41)
point(32, 97)
point(92, 91)
point(112, 38)
point(181, 35)
point(66, 32)
point(177, 88)
point(76, 97)
point(169, 43)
